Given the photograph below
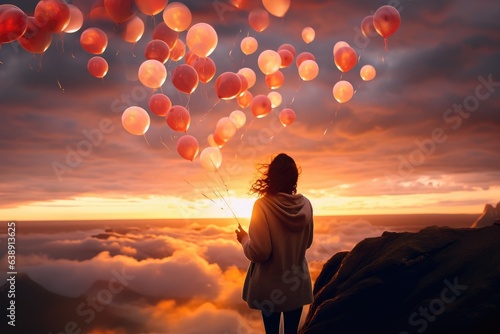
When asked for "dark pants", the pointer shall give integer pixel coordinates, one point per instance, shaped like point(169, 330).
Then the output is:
point(291, 318)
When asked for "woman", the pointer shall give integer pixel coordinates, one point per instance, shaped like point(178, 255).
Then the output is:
point(280, 231)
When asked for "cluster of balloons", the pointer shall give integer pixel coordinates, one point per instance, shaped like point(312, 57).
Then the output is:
point(34, 34)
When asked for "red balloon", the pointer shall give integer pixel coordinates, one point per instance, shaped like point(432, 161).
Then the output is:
point(97, 66)
point(188, 147)
point(178, 51)
point(151, 7)
point(163, 32)
point(288, 47)
point(261, 106)
point(35, 39)
point(185, 78)
point(98, 12)
point(287, 116)
point(13, 23)
point(244, 99)
point(191, 57)
point(259, 19)
point(345, 58)
point(94, 41)
point(244, 83)
point(178, 118)
point(386, 20)
point(367, 28)
point(275, 80)
point(304, 56)
point(286, 57)
point(159, 104)
point(205, 67)
point(53, 15)
point(119, 10)
point(228, 85)
point(157, 50)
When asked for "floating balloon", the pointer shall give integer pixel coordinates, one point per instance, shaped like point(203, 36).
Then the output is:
point(225, 129)
point(206, 69)
point(288, 47)
point(308, 34)
point(136, 120)
point(386, 20)
point(259, 19)
point(52, 15)
point(308, 70)
point(178, 51)
point(98, 12)
point(178, 118)
point(367, 72)
point(345, 58)
point(166, 34)
point(152, 73)
point(238, 117)
point(159, 104)
point(339, 45)
point(35, 39)
point(151, 7)
point(261, 106)
point(269, 61)
point(249, 45)
point(188, 147)
point(275, 80)
point(303, 56)
point(75, 20)
point(287, 116)
point(157, 50)
point(228, 85)
point(276, 7)
point(245, 99)
point(202, 39)
point(367, 28)
point(190, 58)
point(286, 58)
point(132, 30)
point(177, 16)
point(275, 99)
point(211, 159)
point(215, 141)
point(249, 74)
point(97, 66)
point(185, 78)
point(94, 41)
point(13, 23)
point(119, 10)
point(244, 84)
point(343, 91)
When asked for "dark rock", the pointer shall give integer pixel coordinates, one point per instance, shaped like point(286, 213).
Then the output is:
point(489, 216)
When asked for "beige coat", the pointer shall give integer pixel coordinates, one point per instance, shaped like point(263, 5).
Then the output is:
point(281, 229)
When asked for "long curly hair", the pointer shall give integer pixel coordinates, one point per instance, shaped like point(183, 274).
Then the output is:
point(280, 175)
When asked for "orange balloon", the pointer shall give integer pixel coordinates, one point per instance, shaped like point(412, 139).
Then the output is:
point(159, 104)
point(157, 50)
point(338, 45)
point(13, 23)
point(132, 30)
point(367, 28)
point(166, 34)
point(249, 74)
point(345, 58)
point(215, 141)
point(75, 21)
point(228, 85)
point(304, 56)
point(288, 47)
point(98, 12)
point(94, 41)
point(178, 118)
point(151, 7)
point(275, 99)
point(308, 34)
point(308, 70)
point(259, 19)
point(97, 66)
point(276, 7)
point(286, 58)
point(119, 10)
point(188, 147)
point(261, 106)
point(202, 39)
point(152, 73)
point(245, 99)
point(225, 129)
point(178, 51)
point(343, 91)
point(52, 15)
point(269, 61)
point(136, 120)
point(191, 58)
point(206, 69)
point(211, 158)
point(177, 16)
point(249, 45)
point(287, 116)
point(185, 78)
point(275, 80)
point(35, 39)
point(239, 118)
point(386, 20)
point(367, 72)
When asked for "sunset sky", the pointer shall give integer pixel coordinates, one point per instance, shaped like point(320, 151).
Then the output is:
point(422, 137)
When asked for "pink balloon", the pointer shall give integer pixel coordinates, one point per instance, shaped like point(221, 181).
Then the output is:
point(188, 147)
point(177, 16)
point(225, 129)
point(343, 91)
point(202, 39)
point(152, 73)
point(136, 120)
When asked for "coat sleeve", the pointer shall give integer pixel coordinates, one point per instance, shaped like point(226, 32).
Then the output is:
point(311, 229)
point(257, 246)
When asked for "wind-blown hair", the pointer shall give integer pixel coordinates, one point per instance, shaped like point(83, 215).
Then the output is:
point(280, 176)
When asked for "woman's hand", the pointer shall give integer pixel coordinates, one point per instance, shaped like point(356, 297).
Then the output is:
point(240, 233)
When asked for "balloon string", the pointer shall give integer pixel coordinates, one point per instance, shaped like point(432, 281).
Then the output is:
point(146, 139)
point(247, 128)
point(161, 141)
point(208, 112)
point(331, 121)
